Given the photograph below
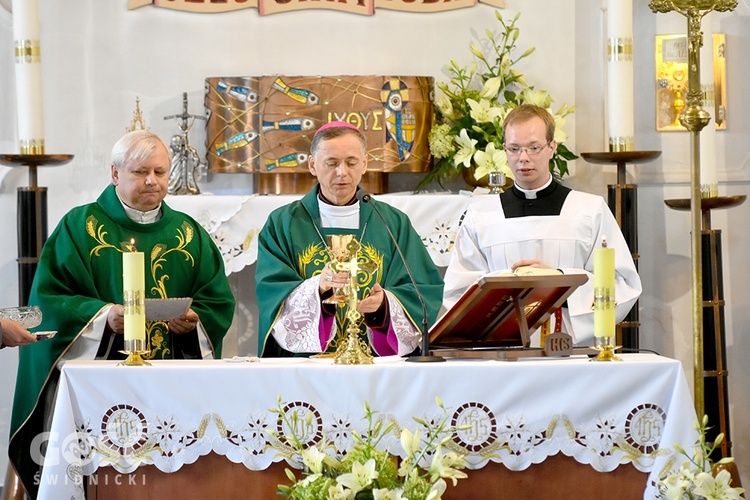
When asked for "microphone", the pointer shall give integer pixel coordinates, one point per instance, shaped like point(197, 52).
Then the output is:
point(364, 197)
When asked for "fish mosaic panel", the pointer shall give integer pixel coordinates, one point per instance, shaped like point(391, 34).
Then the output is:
point(265, 124)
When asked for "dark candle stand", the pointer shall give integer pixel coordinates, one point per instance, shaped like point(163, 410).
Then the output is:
point(715, 372)
point(31, 216)
point(623, 202)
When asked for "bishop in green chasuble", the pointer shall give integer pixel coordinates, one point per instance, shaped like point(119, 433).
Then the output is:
point(293, 276)
point(78, 281)
point(291, 254)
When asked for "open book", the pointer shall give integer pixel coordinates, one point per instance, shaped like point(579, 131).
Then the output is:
point(501, 310)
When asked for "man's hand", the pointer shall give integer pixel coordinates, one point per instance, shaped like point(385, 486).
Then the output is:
point(529, 263)
point(116, 318)
point(185, 323)
point(330, 279)
point(372, 302)
point(14, 334)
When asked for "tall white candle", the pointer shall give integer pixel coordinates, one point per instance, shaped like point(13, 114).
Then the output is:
point(709, 177)
point(620, 75)
point(28, 76)
point(133, 295)
point(604, 291)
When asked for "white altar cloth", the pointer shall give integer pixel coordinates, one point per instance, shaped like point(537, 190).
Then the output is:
point(519, 413)
point(235, 221)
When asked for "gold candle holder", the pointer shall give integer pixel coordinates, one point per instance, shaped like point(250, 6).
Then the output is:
point(606, 347)
point(604, 303)
point(134, 348)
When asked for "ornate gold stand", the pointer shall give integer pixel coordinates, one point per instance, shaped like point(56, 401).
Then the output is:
point(606, 347)
point(31, 217)
point(623, 202)
point(134, 349)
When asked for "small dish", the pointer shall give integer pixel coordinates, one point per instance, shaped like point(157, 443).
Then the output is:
point(27, 316)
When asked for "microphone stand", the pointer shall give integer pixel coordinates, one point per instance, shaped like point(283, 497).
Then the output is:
point(364, 197)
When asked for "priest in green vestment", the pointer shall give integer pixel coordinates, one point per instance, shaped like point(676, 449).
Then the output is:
point(294, 276)
point(78, 285)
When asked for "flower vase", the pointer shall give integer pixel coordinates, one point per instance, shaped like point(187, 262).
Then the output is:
point(468, 175)
point(484, 182)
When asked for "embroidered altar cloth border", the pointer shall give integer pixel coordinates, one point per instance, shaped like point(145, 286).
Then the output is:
point(518, 414)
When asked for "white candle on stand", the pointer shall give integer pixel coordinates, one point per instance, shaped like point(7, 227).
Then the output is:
point(28, 76)
point(604, 291)
point(620, 75)
point(133, 284)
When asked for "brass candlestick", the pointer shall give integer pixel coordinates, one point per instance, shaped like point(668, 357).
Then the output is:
point(694, 118)
point(134, 348)
point(606, 347)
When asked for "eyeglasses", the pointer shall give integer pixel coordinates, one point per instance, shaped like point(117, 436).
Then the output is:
point(530, 150)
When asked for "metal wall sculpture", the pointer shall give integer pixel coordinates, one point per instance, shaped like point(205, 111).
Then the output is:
point(264, 125)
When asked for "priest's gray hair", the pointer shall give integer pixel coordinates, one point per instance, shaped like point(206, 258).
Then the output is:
point(332, 133)
point(137, 146)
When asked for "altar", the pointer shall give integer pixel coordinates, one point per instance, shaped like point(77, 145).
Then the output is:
point(120, 434)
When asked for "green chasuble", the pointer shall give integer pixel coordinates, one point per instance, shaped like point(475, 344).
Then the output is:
point(80, 274)
point(291, 249)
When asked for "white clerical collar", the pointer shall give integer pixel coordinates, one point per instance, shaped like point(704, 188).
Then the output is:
point(346, 217)
point(531, 193)
point(139, 216)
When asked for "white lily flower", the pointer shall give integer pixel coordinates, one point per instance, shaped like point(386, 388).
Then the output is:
point(491, 87)
point(483, 111)
point(386, 494)
point(441, 467)
point(560, 134)
point(410, 442)
point(539, 97)
point(466, 149)
point(491, 160)
point(360, 477)
point(445, 106)
point(437, 490)
point(716, 488)
point(338, 492)
point(313, 458)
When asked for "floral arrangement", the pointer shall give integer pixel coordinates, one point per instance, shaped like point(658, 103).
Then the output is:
point(469, 116)
point(699, 478)
point(368, 472)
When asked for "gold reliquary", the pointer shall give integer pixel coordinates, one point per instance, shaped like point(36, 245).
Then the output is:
point(672, 81)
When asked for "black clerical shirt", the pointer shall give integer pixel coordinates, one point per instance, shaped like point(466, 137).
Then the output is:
point(548, 201)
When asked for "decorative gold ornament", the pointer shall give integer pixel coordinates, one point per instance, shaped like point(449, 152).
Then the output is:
point(138, 123)
point(344, 250)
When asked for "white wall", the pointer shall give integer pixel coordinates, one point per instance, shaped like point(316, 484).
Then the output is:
point(98, 57)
